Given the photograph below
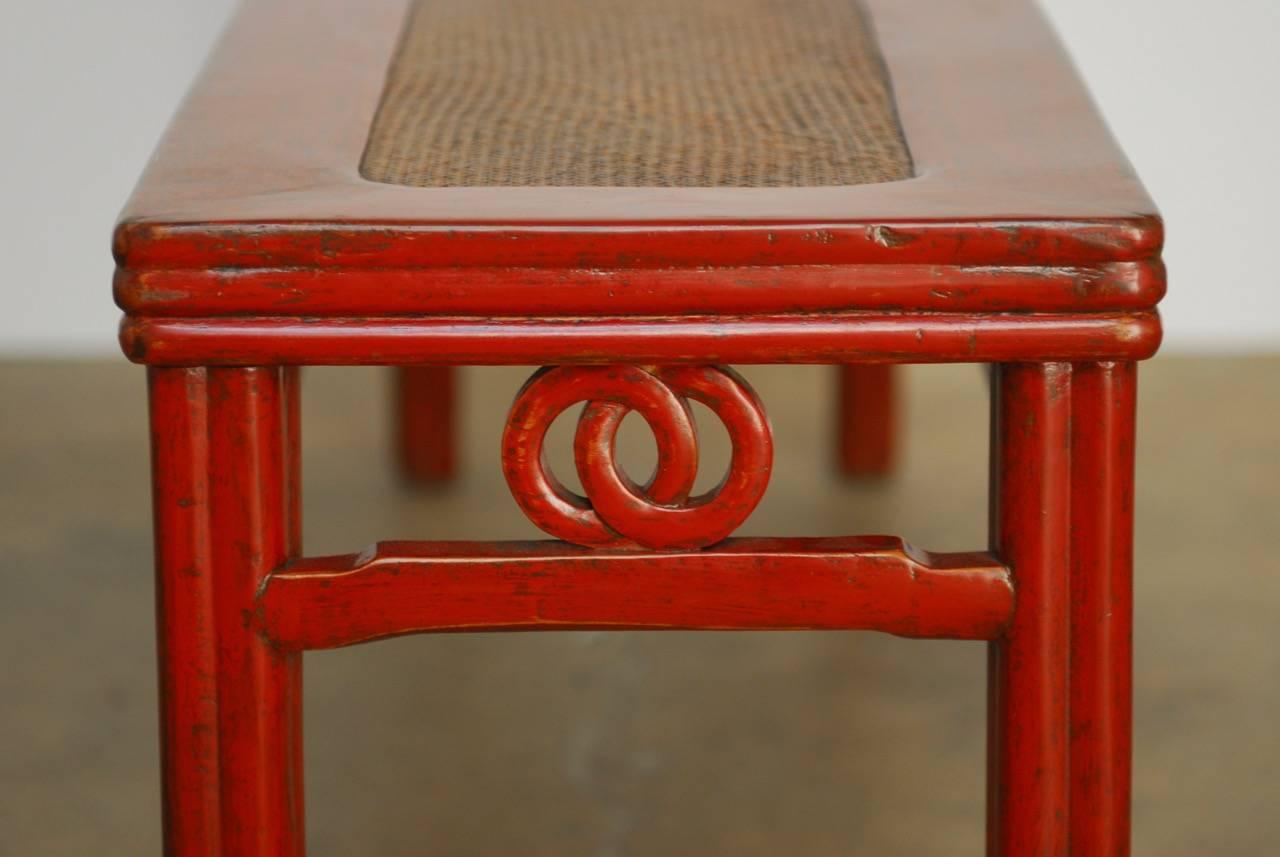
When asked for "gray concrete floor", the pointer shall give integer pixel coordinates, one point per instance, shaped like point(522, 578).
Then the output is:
point(638, 744)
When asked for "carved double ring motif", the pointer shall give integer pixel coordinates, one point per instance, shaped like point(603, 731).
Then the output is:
point(617, 511)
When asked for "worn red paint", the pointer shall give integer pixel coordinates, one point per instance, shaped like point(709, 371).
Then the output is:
point(186, 640)
point(249, 519)
point(830, 338)
point(226, 487)
point(615, 510)
point(875, 583)
point(1010, 251)
point(1102, 415)
point(523, 291)
point(1030, 520)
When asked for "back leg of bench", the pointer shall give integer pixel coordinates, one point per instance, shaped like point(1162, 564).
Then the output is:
point(425, 401)
point(424, 422)
point(866, 411)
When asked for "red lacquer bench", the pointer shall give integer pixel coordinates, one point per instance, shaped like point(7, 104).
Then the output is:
point(634, 195)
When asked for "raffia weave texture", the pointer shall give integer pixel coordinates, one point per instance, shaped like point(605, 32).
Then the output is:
point(636, 93)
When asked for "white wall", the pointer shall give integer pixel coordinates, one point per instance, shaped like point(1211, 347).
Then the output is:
point(1189, 88)
point(86, 87)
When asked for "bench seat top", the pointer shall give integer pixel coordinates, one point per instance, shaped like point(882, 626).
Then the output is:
point(636, 157)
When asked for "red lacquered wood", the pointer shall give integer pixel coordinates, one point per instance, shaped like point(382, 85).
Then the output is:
point(698, 521)
point(250, 517)
point(425, 419)
point(640, 288)
point(1012, 250)
point(1024, 239)
point(1027, 718)
point(866, 419)
point(875, 583)
point(257, 175)
point(617, 511)
point(832, 338)
point(291, 390)
point(291, 380)
point(550, 391)
point(186, 642)
point(1102, 449)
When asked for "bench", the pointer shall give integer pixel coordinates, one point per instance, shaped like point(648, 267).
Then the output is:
point(634, 195)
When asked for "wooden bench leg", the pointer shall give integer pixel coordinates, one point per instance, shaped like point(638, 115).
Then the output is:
point(1102, 453)
point(225, 489)
point(424, 422)
point(866, 419)
point(1027, 771)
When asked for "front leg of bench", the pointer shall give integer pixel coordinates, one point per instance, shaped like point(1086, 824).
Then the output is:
point(1060, 711)
point(1027, 753)
point(225, 469)
point(1103, 400)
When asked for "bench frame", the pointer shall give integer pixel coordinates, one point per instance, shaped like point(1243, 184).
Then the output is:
point(1024, 242)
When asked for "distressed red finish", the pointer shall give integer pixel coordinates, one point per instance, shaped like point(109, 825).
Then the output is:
point(186, 641)
point(1030, 520)
point(225, 491)
point(243, 244)
point(252, 247)
point(870, 583)
point(522, 290)
point(1102, 447)
point(617, 511)
point(831, 338)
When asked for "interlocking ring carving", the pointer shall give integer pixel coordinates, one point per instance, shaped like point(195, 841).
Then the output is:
point(617, 512)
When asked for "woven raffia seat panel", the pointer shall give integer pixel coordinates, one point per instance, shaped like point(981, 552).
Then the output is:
point(636, 93)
